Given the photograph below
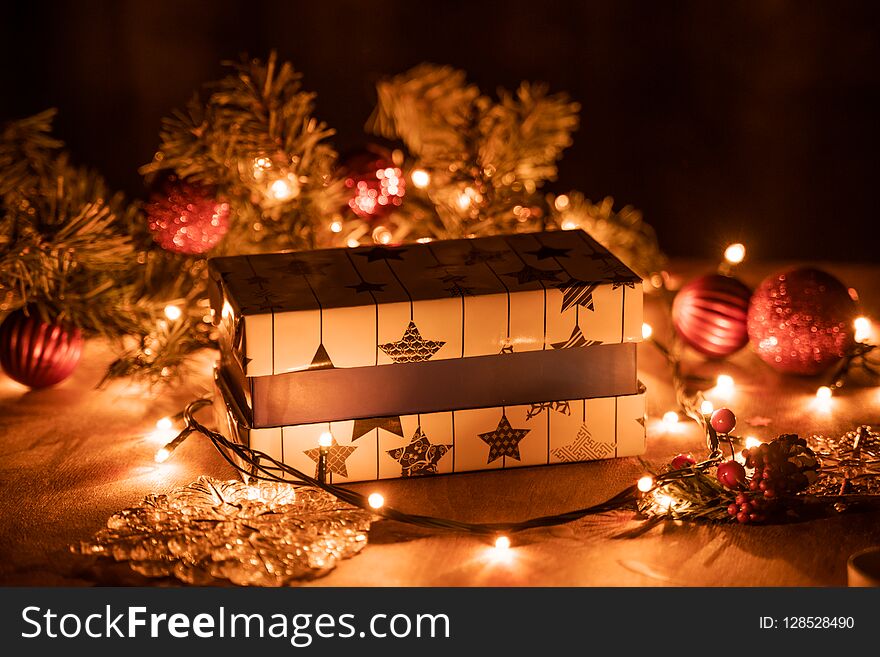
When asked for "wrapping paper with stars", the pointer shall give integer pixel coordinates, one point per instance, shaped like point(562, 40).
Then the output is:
point(407, 342)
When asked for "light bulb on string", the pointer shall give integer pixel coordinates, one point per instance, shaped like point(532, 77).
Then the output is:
point(647, 330)
point(376, 501)
point(752, 442)
point(670, 418)
point(645, 484)
point(724, 385)
point(706, 407)
point(336, 227)
point(734, 254)
point(862, 326)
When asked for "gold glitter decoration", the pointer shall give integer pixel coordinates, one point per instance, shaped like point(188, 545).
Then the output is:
point(850, 464)
point(260, 534)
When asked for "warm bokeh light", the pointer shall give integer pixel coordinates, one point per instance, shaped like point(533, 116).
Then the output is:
point(281, 190)
point(561, 202)
point(670, 417)
point(376, 501)
point(425, 240)
point(569, 224)
point(420, 178)
point(381, 235)
point(735, 253)
point(664, 501)
point(707, 407)
point(647, 330)
point(325, 439)
point(463, 201)
point(823, 392)
point(645, 484)
point(751, 442)
point(173, 312)
point(862, 327)
point(724, 385)
point(162, 455)
point(502, 543)
point(164, 424)
point(352, 243)
point(336, 227)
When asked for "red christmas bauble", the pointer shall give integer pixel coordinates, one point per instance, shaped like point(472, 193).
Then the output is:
point(36, 353)
point(723, 420)
point(731, 474)
point(376, 185)
point(710, 315)
point(186, 217)
point(801, 321)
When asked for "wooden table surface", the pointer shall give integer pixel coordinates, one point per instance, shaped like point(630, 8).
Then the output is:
point(74, 455)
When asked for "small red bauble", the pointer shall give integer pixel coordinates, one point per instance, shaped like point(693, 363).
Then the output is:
point(710, 313)
point(376, 185)
point(731, 474)
point(683, 461)
point(723, 420)
point(801, 321)
point(36, 353)
point(186, 217)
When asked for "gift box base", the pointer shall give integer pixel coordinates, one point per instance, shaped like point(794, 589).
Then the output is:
point(452, 441)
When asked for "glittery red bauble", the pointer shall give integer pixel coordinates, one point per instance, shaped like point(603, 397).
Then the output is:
point(36, 353)
point(731, 474)
point(801, 321)
point(187, 217)
point(710, 313)
point(376, 185)
point(723, 420)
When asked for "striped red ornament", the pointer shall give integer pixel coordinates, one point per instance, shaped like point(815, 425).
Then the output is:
point(36, 353)
point(711, 315)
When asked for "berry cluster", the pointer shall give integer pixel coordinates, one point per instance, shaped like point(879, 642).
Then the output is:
point(783, 466)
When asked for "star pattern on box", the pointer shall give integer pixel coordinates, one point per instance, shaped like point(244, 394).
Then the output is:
point(577, 292)
point(364, 426)
point(476, 256)
point(411, 348)
point(366, 286)
point(420, 457)
point(381, 253)
point(549, 252)
point(336, 457)
point(559, 406)
point(576, 339)
point(620, 283)
point(504, 440)
point(528, 274)
point(321, 359)
point(582, 448)
point(456, 290)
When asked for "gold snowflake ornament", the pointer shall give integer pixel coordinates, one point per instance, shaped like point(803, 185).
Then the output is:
point(260, 534)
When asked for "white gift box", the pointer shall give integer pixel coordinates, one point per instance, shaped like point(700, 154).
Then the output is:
point(432, 351)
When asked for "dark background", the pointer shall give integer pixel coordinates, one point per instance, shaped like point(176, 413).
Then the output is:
point(721, 121)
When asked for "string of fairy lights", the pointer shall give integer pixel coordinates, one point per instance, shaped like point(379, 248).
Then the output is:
point(257, 465)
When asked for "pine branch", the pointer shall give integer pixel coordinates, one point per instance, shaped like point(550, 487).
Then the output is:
point(253, 138)
point(487, 159)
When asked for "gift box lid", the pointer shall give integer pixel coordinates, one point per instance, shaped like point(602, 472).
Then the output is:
point(377, 305)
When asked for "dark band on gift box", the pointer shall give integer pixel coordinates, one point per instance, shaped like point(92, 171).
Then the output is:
point(331, 395)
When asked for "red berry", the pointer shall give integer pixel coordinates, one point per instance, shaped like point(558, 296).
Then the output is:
point(732, 510)
point(683, 461)
point(769, 493)
point(754, 517)
point(731, 474)
point(742, 517)
point(762, 485)
point(723, 420)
